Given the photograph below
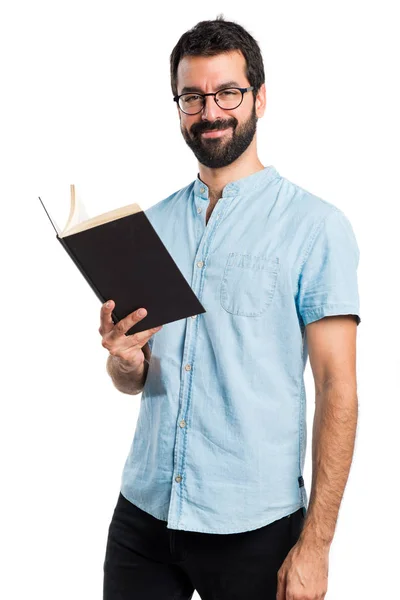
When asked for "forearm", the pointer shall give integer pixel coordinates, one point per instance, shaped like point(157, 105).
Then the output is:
point(126, 379)
point(334, 430)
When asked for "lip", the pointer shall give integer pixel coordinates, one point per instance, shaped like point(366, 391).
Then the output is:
point(214, 133)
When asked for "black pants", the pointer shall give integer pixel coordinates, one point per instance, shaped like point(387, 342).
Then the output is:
point(147, 561)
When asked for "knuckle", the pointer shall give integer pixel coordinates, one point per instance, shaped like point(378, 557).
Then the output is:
point(120, 327)
point(134, 340)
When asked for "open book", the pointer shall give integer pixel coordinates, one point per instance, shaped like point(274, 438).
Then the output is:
point(123, 259)
point(78, 219)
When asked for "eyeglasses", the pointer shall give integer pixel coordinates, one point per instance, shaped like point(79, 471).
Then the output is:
point(228, 99)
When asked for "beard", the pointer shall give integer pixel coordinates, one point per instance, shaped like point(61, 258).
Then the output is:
point(220, 151)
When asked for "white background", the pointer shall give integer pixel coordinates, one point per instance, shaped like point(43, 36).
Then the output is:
point(85, 99)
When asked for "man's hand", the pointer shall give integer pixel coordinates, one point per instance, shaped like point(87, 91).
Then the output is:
point(127, 348)
point(304, 573)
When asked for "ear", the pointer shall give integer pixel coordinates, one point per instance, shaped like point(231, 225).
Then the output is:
point(261, 101)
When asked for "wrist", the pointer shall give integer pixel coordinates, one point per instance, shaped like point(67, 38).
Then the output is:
point(310, 536)
point(125, 366)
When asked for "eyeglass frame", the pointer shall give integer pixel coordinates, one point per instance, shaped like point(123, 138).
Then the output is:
point(242, 90)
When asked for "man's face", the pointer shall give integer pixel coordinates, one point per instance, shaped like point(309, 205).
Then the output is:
point(236, 127)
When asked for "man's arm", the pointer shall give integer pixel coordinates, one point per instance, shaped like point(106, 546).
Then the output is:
point(332, 352)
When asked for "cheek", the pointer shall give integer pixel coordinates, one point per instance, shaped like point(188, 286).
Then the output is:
point(242, 119)
point(186, 123)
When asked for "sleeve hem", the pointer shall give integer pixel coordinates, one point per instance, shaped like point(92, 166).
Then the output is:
point(314, 314)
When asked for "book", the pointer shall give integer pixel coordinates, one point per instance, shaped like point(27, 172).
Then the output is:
point(122, 258)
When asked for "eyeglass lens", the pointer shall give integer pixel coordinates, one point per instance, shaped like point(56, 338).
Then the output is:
point(228, 98)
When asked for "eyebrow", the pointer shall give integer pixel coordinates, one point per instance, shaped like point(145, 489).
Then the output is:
point(194, 88)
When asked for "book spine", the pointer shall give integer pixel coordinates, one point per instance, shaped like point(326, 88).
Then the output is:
point(86, 276)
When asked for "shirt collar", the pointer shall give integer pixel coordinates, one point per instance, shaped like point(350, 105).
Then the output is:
point(250, 183)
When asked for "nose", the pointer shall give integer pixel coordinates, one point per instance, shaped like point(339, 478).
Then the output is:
point(211, 110)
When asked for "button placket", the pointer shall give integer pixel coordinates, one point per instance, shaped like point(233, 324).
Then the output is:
point(177, 498)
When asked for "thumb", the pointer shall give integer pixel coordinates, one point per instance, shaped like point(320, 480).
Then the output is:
point(281, 589)
point(106, 321)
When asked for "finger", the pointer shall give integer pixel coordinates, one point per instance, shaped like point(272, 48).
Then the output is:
point(130, 342)
point(127, 322)
point(127, 343)
point(106, 322)
point(142, 337)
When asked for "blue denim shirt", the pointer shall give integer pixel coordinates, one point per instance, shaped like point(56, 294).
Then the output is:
point(220, 439)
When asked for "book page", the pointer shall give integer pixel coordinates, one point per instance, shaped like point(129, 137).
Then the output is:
point(77, 213)
point(112, 215)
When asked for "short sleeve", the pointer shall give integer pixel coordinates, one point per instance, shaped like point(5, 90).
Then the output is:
point(328, 278)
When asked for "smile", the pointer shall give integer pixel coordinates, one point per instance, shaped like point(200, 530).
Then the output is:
point(214, 133)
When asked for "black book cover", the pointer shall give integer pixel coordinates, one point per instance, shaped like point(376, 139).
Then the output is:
point(126, 261)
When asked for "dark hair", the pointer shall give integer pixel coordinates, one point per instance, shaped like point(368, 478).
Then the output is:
point(209, 38)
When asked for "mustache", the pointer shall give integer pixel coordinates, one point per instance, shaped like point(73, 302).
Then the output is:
point(199, 128)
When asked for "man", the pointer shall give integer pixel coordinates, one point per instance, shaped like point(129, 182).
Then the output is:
point(212, 495)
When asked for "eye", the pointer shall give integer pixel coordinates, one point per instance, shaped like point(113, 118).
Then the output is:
point(228, 93)
point(190, 98)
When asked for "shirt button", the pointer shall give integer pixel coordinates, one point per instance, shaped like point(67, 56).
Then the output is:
point(178, 478)
point(182, 423)
point(194, 316)
point(187, 367)
point(200, 263)
point(199, 210)
point(202, 190)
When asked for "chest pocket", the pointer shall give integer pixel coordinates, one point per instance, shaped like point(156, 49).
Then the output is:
point(248, 284)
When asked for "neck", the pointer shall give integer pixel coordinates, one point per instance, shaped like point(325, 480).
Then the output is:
point(216, 179)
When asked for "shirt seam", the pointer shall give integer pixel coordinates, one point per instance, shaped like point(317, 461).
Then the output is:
point(326, 310)
point(301, 416)
point(253, 526)
point(258, 525)
point(329, 305)
point(313, 237)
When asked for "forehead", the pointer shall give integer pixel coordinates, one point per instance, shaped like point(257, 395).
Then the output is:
point(208, 72)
